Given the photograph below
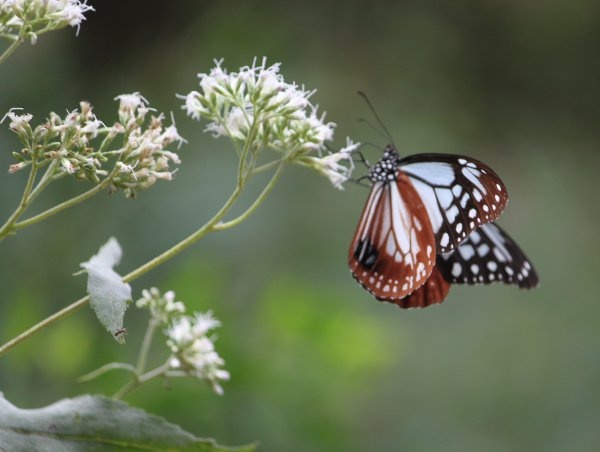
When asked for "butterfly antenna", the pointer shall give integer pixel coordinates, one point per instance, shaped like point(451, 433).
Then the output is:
point(379, 132)
point(364, 96)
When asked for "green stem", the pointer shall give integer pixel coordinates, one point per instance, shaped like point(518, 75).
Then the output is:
point(16, 43)
point(23, 204)
point(185, 243)
point(263, 195)
point(103, 369)
point(44, 323)
point(145, 349)
point(265, 167)
point(212, 225)
point(63, 205)
point(138, 380)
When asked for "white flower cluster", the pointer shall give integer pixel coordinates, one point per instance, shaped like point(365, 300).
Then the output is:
point(162, 307)
point(144, 159)
point(29, 18)
point(256, 106)
point(140, 161)
point(193, 351)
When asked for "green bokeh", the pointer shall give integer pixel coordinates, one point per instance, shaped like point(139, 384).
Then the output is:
point(316, 363)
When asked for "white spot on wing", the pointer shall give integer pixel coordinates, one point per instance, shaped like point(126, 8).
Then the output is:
point(445, 239)
point(399, 217)
point(444, 196)
point(483, 249)
point(456, 269)
point(429, 199)
point(471, 177)
point(464, 200)
point(451, 214)
point(435, 173)
point(466, 251)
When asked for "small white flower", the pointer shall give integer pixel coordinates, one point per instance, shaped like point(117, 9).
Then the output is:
point(67, 165)
point(331, 167)
point(124, 168)
point(18, 123)
point(172, 156)
point(129, 102)
point(238, 123)
point(92, 127)
point(171, 135)
point(180, 332)
point(204, 323)
point(193, 106)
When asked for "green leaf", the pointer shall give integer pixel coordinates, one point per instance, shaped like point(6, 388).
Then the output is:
point(109, 295)
point(95, 423)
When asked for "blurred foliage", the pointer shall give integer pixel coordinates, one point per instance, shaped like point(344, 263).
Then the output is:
point(316, 363)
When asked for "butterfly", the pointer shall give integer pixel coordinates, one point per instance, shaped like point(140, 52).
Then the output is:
point(427, 223)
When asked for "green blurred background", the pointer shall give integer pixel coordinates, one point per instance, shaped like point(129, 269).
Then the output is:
point(316, 363)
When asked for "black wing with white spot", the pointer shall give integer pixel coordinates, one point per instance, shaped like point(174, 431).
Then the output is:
point(460, 194)
point(487, 255)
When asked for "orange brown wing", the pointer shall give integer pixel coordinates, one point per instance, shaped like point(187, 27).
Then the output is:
point(434, 291)
point(393, 250)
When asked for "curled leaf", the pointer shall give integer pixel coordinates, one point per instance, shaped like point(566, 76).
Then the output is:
point(109, 295)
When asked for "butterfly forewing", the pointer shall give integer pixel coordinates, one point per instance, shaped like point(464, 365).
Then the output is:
point(488, 255)
point(393, 250)
point(460, 194)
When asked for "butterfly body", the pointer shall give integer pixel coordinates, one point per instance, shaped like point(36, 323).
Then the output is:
point(421, 208)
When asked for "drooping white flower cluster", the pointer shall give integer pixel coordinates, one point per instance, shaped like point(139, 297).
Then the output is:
point(144, 157)
point(331, 167)
point(30, 18)
point(139, 162)
point(193, 351)
point(257, 107)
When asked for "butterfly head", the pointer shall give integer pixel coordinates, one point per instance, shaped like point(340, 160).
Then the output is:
point(386, 169)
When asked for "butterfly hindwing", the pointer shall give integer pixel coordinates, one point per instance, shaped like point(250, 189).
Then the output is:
point(434, 291)
point(460, 194)
point(488, 255)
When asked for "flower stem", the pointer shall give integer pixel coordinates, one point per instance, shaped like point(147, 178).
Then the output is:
point(7, 228)
point(145, 348)
point(212, 225)
point(44, 323)
point(263, 195)
point(16, 43)
point(63, 205)
point(103, 369)
point(138, 380)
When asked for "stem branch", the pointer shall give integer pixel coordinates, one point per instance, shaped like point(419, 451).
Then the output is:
point(63, 205)
point(212, 225)
point(16, 43)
